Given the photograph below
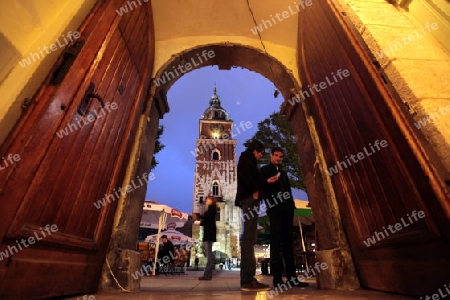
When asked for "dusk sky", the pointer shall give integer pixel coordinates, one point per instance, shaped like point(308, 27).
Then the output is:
point(245, 95)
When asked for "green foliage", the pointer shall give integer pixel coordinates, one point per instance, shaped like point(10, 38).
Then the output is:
point(158, 146)
point(277, 131)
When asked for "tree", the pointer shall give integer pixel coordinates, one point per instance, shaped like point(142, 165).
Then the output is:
point(158, 146)
point(277, 131)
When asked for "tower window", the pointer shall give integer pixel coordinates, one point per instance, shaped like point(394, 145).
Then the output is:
point(215, 154)
point(215, 189)
point(200, 200)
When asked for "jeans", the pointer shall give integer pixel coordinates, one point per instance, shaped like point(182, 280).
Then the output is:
point(250, 208)
point(210, 263)
point(281, 242)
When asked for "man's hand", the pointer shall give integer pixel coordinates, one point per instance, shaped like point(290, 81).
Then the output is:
point(273, 178)
point(256, 195)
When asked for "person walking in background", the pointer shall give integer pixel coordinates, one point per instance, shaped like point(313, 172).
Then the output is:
point(196, 260)
point(208, 221)
point(276, 192)
point(247, 198)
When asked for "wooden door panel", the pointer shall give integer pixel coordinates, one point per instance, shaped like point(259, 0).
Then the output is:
point(131, 26)
point(92, 144)
point(59, 179)
point(103, 143)
point(38, 125)
point(354, 122)
point(44, 134)
point(70, 153)
point(357, 131)
point(386, 186)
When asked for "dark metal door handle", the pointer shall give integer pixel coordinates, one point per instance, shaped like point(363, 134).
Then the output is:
point(88, 95)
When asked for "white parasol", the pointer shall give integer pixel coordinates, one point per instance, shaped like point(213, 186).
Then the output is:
point(160, 216)
point(176, 237)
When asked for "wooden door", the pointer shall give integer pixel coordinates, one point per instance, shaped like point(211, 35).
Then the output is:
point(73, 144)
point(384, 185)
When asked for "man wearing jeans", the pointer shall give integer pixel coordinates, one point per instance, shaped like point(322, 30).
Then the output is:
point(247, 197)
point(209, 235)
point(277, 193)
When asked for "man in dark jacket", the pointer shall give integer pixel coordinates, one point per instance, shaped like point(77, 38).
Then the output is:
point(277, 195)
point(209, 235)
point(167, 250)
point(247, 197)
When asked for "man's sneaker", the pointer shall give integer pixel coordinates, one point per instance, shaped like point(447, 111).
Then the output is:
point(254, 286)
point(204, 278)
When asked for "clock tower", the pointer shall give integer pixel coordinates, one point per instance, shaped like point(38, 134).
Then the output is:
point(216, 175)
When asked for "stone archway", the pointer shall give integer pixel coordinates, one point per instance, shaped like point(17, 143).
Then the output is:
point(226, 56)
point(413, 172)
point(342, 117)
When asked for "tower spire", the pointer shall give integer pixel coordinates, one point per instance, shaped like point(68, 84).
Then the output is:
point(215, 99)
point(215, 111)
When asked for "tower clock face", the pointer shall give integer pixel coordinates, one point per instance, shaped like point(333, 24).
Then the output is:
point(217, 128)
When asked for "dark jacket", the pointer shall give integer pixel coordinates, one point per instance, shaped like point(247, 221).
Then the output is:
point(167, 250)
point(208, 221)
point(247, 176)
point(269, 191)
point(168, 246)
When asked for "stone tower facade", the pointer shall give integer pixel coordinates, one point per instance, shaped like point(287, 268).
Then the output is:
point(216, 175)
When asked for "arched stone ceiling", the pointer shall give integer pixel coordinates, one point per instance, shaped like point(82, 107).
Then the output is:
point(188, 24)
